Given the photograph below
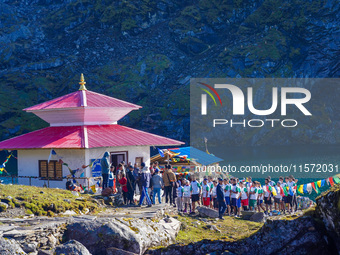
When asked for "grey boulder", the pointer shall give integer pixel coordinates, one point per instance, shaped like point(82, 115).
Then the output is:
point(10, 247)
point(258, 217)
point(133, 235)
point(72, 247)
point(116, 251)
point(207, 212)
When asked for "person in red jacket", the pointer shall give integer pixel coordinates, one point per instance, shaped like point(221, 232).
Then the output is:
point(123, 182)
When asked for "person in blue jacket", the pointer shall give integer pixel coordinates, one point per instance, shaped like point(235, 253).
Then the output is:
point(145, 177)
point(111, 177)
point(220, 198)
point(105, 165)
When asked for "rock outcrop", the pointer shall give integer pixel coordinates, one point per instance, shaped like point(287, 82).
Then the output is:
point(207, 212)
point(300, 236)
point(71, 248)
point(328, 206)
point(10, 247)
point(133, 235)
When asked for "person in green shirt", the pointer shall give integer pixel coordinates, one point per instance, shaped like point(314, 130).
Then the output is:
point(254, 192)
point(260, 197)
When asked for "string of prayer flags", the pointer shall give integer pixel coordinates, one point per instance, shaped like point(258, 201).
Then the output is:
point(8, 157)
point(2, 167)
point(308, 187)
point(90, 165)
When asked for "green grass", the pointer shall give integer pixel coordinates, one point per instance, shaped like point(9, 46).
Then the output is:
point(231, 230)
point(49, 203)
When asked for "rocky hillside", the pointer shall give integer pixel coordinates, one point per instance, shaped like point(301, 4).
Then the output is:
point(145, 51)
point(316, 232)
point(329, 210)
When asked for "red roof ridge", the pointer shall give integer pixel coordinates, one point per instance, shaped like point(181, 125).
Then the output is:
point(81, 98)
point(144, 132)
point(52, 101)
point(102, 95)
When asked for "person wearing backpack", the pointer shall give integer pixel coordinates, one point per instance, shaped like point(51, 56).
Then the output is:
point(168, 178)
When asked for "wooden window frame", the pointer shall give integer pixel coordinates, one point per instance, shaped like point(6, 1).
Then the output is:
point(140, 161)
point(54, 178)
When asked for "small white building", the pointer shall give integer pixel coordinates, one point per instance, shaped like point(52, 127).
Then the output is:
point(83, 125)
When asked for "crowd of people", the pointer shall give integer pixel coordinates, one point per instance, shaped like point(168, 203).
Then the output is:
point(229, 196)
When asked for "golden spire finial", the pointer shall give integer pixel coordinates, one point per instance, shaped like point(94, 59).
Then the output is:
point(82, 82)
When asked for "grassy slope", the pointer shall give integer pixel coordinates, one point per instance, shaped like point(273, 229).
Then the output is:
point(34, 202)
point(232, 229)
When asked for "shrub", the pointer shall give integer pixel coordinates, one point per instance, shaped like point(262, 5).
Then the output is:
point(28, 211)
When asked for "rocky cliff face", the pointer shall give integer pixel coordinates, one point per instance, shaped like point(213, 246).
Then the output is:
point(328, 207)
point(145, 51)
point(317, 232)
point(300, 236)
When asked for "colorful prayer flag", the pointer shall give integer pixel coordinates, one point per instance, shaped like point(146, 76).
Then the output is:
point(2, 168)
point(336, 179)
point(52, 155)
point(161, 152)
point(314, 186)
point(327, 180)
point(273, 190)
point(300, 189)
point(309, 188)
point(91, 164)
point(323, 182)
point(285, 191)
point(291, 191)
point(319, 183)
point(305, 191)
point(331, 181)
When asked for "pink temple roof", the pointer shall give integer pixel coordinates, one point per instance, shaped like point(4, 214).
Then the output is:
point(82, 98)
point(93, 136)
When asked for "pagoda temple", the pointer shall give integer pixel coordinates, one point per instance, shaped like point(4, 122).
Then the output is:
point(83, 125)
